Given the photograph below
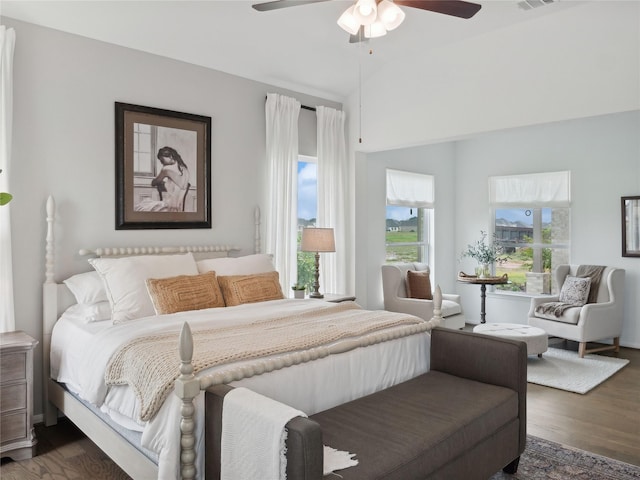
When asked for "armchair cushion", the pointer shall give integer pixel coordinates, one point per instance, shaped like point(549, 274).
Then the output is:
point(575, 291)
point(419, 284)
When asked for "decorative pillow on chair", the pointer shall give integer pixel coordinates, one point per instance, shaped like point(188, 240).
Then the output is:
point(185, 292)
point(419, 284)
point(575, 290)
point(239, 289)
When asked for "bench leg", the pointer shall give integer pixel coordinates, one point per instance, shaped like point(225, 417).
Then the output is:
point(512, 467)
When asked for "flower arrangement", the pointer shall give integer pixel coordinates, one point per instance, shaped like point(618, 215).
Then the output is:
point(485, 253)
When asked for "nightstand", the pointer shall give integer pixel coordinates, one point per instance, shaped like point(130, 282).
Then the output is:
point(17, 439)
point(338, 297)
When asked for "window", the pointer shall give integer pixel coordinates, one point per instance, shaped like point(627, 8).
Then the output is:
point(409, 219)
point(535, 240)
point(407, 233)
point(531, 220)
point(143, 163)
point(307, 214)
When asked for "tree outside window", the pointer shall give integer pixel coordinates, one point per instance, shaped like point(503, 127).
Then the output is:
point(307, 214)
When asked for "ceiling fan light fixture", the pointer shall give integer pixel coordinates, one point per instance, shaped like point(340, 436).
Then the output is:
point(365, 11)
point(348, 21)
point(376, 29)
point(390, 14)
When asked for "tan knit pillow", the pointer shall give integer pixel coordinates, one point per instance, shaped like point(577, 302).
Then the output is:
point(185, 292)
point(239, 289)
point(419, 284)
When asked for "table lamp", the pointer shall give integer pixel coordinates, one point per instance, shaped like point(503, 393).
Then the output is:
point(317, 240)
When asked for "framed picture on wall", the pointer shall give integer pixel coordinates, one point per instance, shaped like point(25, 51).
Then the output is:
point(163, 168)
point(631, 226)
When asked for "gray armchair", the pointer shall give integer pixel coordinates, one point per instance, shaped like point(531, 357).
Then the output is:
point(598, 320)
point(396, 300)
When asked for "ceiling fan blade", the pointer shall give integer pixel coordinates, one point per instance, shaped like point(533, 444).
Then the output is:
point(455, 8)
point(276, 4)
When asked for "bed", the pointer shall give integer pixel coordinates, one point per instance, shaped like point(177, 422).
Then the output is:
point(131, 378)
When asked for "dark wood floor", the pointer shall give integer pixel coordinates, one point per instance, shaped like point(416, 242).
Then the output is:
point(605, 421)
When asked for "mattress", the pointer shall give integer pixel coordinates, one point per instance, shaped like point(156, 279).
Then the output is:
point(80, 351)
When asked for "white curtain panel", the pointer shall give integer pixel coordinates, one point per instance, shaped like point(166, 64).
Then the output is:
point(332, 204)
point(7, 43)
point(281, 216)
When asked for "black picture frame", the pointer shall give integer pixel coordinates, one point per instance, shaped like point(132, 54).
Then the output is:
point(163, 168)
point(630, 208)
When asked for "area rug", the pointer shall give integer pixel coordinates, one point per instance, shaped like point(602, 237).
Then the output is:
point(565, 370)
point(543, 459)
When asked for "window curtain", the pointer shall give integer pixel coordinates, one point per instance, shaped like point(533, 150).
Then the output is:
point(281, 216)
point(332, 203)
point(7, 43)
point(407, 189)
point(551, 189)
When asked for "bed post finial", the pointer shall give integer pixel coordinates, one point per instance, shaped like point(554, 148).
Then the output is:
point(437, 307)
point(49, 258)
point(187, 388)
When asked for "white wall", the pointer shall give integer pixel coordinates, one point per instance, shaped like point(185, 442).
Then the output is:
point(580, 62)
point(63, 145)
point(436, 160)
point(603, 155)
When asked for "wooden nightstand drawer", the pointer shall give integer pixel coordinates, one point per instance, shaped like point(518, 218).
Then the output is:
point(17, 439)
point(13, 397)
point(14, 427)
point(13, 366)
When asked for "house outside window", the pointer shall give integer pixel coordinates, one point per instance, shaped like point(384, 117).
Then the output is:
point(409, 217)
point(532, 221)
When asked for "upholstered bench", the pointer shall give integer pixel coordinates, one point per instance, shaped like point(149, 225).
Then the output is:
point(465, 418)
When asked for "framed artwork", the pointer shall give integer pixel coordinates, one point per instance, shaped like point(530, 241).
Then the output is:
point(163, 168)
point(631, 226)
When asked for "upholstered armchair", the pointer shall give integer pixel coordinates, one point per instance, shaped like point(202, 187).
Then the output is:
point(396, 299)
point(600, 318)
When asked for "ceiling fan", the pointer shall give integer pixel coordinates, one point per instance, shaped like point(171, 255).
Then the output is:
point(374, 18)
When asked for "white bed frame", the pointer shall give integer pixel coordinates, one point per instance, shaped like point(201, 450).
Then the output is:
point(57, 297)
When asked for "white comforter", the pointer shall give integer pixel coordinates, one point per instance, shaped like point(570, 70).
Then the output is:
point(80, 352)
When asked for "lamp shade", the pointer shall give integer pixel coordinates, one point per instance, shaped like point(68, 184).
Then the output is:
point(318, 240)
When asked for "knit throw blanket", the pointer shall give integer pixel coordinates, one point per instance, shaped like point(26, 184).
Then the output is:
point(557, 309)
point(150, 364)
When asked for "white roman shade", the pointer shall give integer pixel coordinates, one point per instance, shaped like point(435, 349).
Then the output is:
point(408, 189)
point(552, 189)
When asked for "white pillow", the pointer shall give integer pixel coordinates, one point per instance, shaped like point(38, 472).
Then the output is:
point(89, 313)
point(247, 265)
point(87, 287)
point(125, 280)
point(575, 290)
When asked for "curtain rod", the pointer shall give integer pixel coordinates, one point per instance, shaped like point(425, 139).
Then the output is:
point(313, 109)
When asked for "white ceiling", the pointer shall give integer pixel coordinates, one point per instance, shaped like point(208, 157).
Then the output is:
point(299, 48)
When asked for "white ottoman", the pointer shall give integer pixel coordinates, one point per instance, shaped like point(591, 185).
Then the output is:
point(535, 338)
